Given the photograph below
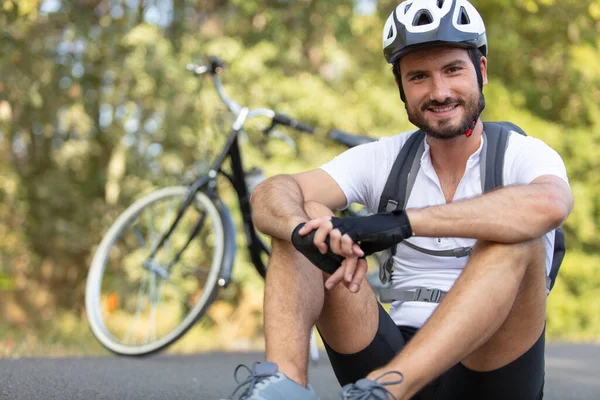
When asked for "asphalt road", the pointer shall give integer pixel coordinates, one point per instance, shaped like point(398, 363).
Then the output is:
point(573, 373)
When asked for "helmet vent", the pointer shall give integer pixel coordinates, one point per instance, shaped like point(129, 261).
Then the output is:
point(391, 34)
point(463, 17)
point(422, 18)
point(440, 3)
point(407, 7)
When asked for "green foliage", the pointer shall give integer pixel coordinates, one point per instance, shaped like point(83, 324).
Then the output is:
point(574, 302)
point(97, 108)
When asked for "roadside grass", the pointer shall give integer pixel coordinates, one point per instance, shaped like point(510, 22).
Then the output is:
point(81, 342)
point(234, 322)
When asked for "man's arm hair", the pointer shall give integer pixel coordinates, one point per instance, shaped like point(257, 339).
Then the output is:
point(278, 202)
point(277, 206)
point(508, 215)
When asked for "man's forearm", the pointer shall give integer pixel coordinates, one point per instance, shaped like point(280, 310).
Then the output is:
point(509, 215)
point(277, 206)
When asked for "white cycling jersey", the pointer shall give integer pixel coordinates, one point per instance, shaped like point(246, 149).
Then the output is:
point(361, 173)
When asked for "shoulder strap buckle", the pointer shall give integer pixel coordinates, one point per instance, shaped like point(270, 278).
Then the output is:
point(429, 295)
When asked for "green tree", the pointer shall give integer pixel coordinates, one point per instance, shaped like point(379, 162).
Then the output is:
point(96, 107)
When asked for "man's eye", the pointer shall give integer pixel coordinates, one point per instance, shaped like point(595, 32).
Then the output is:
point(418, 77)
point(454, 69)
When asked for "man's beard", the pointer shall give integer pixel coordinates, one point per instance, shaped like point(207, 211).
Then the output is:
point(444, 129)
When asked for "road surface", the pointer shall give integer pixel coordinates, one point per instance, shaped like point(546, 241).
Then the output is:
point(573, 373)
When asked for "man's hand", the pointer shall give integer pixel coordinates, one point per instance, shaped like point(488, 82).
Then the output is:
point(375, 232)
point(332, 242)
point(316, 239)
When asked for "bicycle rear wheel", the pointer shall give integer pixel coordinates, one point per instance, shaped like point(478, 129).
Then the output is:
point(137, 305)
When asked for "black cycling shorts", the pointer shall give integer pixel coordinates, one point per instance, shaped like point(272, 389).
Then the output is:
point(522, 379)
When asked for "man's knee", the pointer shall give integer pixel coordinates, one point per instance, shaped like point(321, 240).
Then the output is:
point(316, 210)
point(523, 263)
point(313, 210)
point(520, 254)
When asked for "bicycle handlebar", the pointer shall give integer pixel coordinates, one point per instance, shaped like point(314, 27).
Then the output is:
point(285, 120)
point(214, 67)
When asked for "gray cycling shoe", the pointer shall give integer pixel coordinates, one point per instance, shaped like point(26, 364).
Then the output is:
point(367, 389)
point(266, 383)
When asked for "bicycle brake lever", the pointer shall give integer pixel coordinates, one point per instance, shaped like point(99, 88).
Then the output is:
point(287, 139)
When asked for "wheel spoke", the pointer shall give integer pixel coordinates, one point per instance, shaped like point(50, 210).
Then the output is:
point(151, 331)
point(150, 222)
point(158, 302)
point(189, 270)
point(167, 246)
point(164, 229)
point(137, 232)
point(178, 294)
point(141, 304)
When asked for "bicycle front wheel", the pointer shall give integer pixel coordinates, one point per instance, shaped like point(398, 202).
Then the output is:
point(137, 303)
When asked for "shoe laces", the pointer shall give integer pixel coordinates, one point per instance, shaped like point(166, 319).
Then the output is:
point(254, 381)
point(367, 389)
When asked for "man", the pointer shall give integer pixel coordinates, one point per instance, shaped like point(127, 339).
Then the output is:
point(485, 339)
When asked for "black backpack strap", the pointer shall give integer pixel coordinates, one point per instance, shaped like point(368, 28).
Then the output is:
point(560, 248)
point(492, 156)
point(399, 183)
point(397, 189)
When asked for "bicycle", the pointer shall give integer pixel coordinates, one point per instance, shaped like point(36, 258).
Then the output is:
point(175, 246)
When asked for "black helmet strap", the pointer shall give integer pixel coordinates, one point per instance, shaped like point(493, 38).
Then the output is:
point(398, 78)
point(476, 55)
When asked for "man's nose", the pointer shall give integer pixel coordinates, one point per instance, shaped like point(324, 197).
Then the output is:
point(440, 89)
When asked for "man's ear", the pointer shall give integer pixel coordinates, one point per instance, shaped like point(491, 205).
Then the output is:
point(483, 68)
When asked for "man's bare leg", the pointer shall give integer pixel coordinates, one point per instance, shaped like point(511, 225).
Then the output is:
point(494, 313)
point(524, 323)
point(295, 299)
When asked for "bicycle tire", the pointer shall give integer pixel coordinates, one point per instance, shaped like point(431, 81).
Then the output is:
point(93, 294)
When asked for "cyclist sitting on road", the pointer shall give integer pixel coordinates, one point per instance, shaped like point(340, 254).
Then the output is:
point(485, 338)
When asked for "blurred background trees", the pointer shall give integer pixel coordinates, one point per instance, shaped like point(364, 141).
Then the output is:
point(96, 108)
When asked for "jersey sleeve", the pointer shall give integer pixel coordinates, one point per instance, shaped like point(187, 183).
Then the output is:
point(528, 158)
point(353, 171)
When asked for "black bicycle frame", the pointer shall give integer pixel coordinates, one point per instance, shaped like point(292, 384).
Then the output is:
point(208, 184)
point(238, 179)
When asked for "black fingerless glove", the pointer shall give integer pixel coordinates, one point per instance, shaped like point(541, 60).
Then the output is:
point(376, 232)
point(328, 262)
point(372, 233)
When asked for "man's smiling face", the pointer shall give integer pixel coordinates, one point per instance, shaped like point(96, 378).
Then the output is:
point(442, 92)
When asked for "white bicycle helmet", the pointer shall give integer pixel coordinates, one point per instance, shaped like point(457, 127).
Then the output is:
point(416, 24)
point(421, 23)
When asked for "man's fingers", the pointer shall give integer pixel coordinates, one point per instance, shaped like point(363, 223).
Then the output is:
point(349, 265)
point(312, 225)
point(335, 239)
point(357, 251)
point(351, 274)
point(359, 275)
point(347, 247)
point(336, 278)
point(321, 234)
point(343, 245)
